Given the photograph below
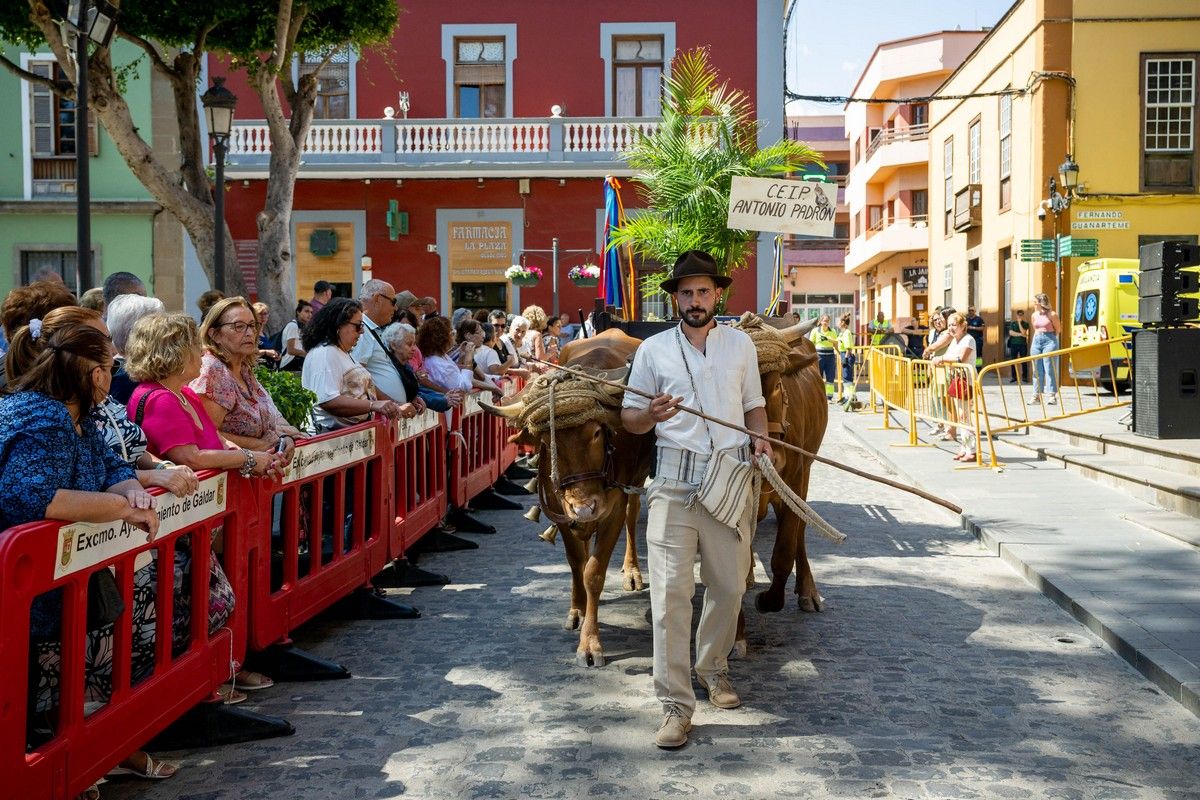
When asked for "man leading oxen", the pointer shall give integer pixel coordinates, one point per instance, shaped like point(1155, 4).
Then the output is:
point(589, 472)
point(702, 496)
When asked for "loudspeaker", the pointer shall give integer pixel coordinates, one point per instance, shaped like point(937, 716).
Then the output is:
point(1166, 392)
point(1163, 280)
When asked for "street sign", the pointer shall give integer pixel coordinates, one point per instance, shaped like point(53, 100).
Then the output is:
point(1037, 250)
point(782, 206)
point(1072, 247)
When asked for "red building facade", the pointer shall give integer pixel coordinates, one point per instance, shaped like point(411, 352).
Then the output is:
point(483, 132)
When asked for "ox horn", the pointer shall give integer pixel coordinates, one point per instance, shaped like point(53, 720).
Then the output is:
point(549, 535)
point(795, 333)
point(511, 412)
point(531, 485)
point(534, 514)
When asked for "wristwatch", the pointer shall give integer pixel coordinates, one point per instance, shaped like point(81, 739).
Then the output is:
point(247, 469)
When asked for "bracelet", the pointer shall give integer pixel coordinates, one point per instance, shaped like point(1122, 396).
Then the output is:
point(247, 469)
point(165, 465)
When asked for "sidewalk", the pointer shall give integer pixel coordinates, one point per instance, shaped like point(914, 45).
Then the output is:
point(1136, 589)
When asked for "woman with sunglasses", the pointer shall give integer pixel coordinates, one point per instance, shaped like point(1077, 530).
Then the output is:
point(344, 389)
point(237, 403)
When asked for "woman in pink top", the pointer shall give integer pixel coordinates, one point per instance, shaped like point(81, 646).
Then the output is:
point(1046, 328)
point(163, 355)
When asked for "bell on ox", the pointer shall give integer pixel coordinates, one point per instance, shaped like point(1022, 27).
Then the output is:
point(532, 484)
point(534, 514)
point(549, 535)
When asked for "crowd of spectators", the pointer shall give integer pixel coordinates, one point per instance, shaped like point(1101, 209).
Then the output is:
point(112, 394)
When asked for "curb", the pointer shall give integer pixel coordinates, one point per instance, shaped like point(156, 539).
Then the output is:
point(1169, 672)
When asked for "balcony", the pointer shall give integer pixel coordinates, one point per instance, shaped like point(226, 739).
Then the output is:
point(447, 147)
point(885, 239)
point(815, 252)
point(891, 149)
point(968, 207)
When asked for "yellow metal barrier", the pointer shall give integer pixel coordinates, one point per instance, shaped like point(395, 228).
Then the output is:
point(861, 371)
point(996, 414)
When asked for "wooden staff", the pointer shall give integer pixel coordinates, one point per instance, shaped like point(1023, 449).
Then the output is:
point(775, 442)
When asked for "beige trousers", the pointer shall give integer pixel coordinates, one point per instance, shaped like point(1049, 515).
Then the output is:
point(674, 534)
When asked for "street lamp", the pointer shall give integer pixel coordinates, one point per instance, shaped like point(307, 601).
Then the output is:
point(84, 22)
point(219, 104)
point(1057, 204)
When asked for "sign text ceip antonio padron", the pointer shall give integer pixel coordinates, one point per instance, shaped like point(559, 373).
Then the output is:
point(782, 206)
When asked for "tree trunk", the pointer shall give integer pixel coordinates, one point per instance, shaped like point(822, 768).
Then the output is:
point(276, 263)
point(193, 212)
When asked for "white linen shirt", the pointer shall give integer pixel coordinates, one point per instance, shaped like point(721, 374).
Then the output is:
point(727, 380)
point(370, 353)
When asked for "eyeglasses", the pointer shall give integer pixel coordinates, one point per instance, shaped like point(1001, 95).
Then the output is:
point(391, 299)
point(238, 327)
point(358, 326)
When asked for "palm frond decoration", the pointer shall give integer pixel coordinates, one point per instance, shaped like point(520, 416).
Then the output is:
point(685, 167)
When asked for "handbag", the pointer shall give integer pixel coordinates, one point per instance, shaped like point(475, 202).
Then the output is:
point(104, 603)
point(729, 484)
point(959, 388)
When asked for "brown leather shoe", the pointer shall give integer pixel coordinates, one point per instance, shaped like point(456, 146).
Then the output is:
point(720, 691)
point(673, 732)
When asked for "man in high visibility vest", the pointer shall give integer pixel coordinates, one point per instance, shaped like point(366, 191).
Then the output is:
point(825, 339)
point(879, 327)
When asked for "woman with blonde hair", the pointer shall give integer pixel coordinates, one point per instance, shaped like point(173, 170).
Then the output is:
point(537, 325)
point(233, 398)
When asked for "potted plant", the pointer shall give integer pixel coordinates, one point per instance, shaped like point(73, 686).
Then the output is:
point(585, 275)
point(523, 276)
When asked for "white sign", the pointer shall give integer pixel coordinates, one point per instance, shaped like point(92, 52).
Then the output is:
point(415, 426)
point(86, 544)
point(782, 206)
point(339, 451)
point(1100, 215)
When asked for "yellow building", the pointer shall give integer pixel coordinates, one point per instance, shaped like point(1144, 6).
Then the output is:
point(1109, 82)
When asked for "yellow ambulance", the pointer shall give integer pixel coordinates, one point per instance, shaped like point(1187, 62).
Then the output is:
point(1106, 307)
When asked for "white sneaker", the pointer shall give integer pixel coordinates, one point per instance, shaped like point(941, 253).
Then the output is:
point(1036, 400)
point(1052, 400)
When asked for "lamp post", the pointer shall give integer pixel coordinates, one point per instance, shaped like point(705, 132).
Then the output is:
point(85, 22)
point(219, 104)
point(1059, 203)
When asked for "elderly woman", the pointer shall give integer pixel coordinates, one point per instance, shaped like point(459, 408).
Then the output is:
point(534, 345)
point(54, 464)
point(123, 313)
point(344, 389)
point(233, 398)
point(400, 338)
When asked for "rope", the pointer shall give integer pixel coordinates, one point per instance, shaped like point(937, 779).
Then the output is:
point(559, 399)
point(553, 438)
point(796, 503)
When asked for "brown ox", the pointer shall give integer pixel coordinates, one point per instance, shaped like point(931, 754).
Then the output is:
point(589, 507)
point(797, 412)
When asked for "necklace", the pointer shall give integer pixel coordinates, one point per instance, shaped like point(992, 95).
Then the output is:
point(183, 401)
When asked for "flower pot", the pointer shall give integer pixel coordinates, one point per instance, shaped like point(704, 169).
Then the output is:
point(585, 282)
point(524, 281)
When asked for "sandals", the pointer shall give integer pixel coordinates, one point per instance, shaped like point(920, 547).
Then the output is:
point(965, 457)
point(154, 770)
point(230, 695)
point(250, 681)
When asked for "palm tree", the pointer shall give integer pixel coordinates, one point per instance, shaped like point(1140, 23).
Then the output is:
point(685, 167)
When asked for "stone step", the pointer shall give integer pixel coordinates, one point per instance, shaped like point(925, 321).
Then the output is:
point(1169, 523)
point(1168, 489)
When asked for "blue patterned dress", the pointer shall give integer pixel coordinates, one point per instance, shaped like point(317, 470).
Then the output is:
point(40, 453)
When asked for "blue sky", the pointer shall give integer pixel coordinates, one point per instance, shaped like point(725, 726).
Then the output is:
point(829, 43)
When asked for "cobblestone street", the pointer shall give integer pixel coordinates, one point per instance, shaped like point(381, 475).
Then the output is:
point(934, 671)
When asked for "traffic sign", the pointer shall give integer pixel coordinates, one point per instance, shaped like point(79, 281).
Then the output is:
point(1037, 250)
point(1071, 247)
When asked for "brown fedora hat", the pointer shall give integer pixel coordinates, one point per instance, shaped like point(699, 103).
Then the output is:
point(695, 264)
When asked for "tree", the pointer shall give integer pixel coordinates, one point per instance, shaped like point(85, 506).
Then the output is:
point(258, 36)
point(707, 136)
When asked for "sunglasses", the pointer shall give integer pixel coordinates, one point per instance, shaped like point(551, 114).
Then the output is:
point(358, 326)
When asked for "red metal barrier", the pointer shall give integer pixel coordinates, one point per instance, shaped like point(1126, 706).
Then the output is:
point(475, 455)
point(419, 470)
point(503, 431)
point(328, 533)
point(49, 555)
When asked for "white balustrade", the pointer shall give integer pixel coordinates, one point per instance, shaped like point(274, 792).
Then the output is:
point(418, 137)
point(602, 136)
point(346, 138)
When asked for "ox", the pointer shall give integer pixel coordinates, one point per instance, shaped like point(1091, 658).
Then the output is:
point(797, 413)
point(589, 505)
